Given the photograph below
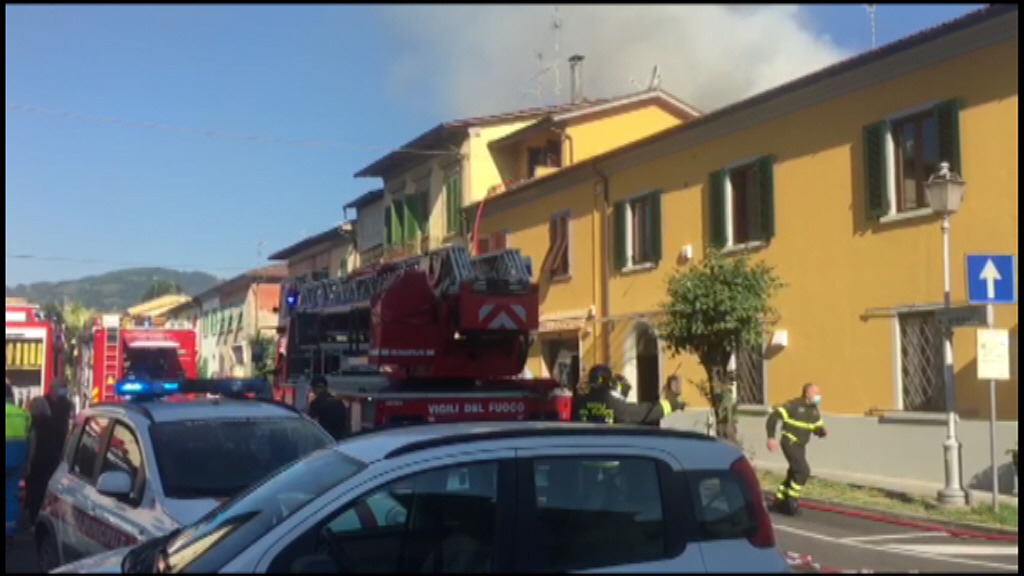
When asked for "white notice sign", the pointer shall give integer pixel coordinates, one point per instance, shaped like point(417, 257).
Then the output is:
point(993, 354)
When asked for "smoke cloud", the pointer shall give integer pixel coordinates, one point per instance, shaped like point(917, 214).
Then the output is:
point(471, 60)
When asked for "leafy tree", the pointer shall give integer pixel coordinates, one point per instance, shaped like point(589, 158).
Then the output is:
point(264, 355)
point(714, 309)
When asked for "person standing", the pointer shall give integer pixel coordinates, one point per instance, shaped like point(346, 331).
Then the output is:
point(18, 427)
point(328, 411)
point(51, 418)
point(600, 401)
point(800, 417)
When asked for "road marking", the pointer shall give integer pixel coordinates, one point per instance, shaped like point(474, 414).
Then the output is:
point(922, 555)
point(904, 535)
point(958, 549)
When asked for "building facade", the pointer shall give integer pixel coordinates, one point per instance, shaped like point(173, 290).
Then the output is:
point(823, 178)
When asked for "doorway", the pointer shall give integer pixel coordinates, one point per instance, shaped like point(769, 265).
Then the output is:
point(562, 359)
point(648, 366)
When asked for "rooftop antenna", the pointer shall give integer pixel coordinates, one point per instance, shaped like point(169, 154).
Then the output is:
point(550, 67)
point(871, 18)
point(655, 78)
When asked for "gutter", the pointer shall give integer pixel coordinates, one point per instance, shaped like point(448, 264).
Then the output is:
point(606, 345)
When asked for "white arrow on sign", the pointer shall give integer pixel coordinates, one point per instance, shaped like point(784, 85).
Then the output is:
point(990, 274)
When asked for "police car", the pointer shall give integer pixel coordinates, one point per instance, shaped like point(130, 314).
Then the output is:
point(138, 469)
point(485, 498)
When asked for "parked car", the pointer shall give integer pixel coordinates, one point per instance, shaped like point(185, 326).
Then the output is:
point(485, 498)
point(136, 470)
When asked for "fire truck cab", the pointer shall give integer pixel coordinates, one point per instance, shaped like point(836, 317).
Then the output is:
point(34, 350)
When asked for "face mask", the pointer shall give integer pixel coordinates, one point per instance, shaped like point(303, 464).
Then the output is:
point(816, 400)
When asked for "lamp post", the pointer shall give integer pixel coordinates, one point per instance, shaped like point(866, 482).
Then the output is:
point(945, 191)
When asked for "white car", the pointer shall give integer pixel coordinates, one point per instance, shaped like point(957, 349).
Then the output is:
point(485, 498)
point(136, 470)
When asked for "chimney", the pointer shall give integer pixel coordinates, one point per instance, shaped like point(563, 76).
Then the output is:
point(576, 73)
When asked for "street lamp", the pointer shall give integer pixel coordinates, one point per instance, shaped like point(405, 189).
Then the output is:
point(945, 194)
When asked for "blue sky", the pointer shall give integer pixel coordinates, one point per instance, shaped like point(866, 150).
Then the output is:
point(103, 196)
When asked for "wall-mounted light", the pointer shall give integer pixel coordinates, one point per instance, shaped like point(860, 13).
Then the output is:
point(686, 253)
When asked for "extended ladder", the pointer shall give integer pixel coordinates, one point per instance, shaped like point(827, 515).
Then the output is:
point(449, 267)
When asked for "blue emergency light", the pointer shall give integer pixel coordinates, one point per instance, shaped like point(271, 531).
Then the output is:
point(228, 387)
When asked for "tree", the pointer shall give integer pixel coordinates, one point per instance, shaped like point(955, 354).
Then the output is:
point(714, 309)
point(160, 288)
point(264, 358)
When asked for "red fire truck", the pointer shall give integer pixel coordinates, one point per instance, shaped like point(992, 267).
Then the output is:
point(441, 337)
point(34, 351)
point(125, 347)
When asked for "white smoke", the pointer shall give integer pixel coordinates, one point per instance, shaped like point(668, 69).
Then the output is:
point(481, 59)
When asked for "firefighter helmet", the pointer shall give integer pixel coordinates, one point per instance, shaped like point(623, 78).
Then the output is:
point(601, 377)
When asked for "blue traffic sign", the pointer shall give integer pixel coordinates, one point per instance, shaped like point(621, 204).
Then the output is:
point(991, 278)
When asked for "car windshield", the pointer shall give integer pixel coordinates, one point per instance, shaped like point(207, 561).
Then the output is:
point(220, 458)
point(229, 529)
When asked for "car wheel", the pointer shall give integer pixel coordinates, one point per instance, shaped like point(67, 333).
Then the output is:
point(49, 556)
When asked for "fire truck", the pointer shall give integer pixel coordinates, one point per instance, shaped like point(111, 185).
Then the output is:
point(124, 347)
point(34, 351)
point(441, 337)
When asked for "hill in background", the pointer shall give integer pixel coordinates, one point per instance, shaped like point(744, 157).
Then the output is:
point(113, 291)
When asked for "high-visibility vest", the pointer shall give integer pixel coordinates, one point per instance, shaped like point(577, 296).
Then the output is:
point(19, 422)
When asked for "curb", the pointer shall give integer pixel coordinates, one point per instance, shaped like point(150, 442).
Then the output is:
point(955, 529)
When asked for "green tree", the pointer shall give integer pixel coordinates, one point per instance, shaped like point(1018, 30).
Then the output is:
point(160, 288)
point(264, 355)
point(714, 309)
point(75, 320)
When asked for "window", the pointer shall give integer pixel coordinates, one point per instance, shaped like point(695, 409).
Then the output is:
point(724, 510)
point(556, 261)
point(483, 245)
point(394, 223)
point(440, 521)
point(453, 204)
point(220, 458)
point(594, 512)
point(125, 455)
point(321, 274)
point(920, 356)
point(88, 452)
point(638, 231)
point(900, 154)
point(226, 531)
point(749, 366)
point(416, 216)
point(493, 242)
point(742, 204)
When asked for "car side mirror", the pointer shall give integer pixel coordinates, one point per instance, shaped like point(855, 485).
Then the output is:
point(115, 484)
point(314, 564)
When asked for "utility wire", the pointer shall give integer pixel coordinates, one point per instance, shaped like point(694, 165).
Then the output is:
point(217, 133)
point(76, 260)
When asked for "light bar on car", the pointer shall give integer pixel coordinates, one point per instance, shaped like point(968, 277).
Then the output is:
point(228, 387)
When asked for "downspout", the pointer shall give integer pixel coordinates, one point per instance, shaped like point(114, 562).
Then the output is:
point(566, 137)
point(606, 344)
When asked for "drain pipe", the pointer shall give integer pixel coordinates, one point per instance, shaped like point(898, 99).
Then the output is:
point(606, 345)
point(566, 137)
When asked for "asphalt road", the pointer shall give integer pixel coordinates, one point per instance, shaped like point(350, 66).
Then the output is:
point(834, 542)
point(837, 542)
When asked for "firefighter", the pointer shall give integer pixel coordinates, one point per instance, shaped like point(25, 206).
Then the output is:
point(18, 428)
point(51, 419)
point(328, 410)
point(600, 401)
point(800, 419)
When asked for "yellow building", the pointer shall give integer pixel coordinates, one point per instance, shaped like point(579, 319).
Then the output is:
point(821, 177)
point(157, 308)
point(429, 181)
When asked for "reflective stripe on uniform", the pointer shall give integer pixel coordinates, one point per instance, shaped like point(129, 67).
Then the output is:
point(666, 407)
point(18, 422)
point(786, 419)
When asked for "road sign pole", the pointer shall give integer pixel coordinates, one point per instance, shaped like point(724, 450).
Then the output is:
point(992, 426)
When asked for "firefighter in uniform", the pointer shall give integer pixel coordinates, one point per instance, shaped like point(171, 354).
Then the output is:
point(16, 448)
point(800, 419)
point(601, 401)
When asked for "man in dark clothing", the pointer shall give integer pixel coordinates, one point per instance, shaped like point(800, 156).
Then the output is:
point(601, 402)
point(51, 419)
point(800, 419)
point(330, 412)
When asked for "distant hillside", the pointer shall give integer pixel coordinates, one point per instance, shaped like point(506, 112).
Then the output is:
point(113, 291)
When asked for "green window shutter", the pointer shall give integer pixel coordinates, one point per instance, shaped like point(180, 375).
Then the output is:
point(719, 236)
point(411, 220)
point(453, 203)
point(619, 214)
point(425, 212)
point(654, 223)
point(397, 229)
point(947, 116)
point(766, 189)
point(389, 223)
point(876, 170)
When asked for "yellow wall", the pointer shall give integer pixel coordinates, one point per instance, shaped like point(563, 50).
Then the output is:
point(605, 133)
point(483, 167)
point(838, 264)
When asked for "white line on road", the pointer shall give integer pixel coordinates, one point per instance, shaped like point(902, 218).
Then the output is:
point(958, 549)
point(902, 536)
point(922, 555)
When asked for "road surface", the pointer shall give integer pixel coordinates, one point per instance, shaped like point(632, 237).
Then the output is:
point(834, 542)
point(837, 542)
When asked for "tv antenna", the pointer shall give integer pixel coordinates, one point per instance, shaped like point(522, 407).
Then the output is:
point(552, 67)
point(653, 84)
point(871, 19)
